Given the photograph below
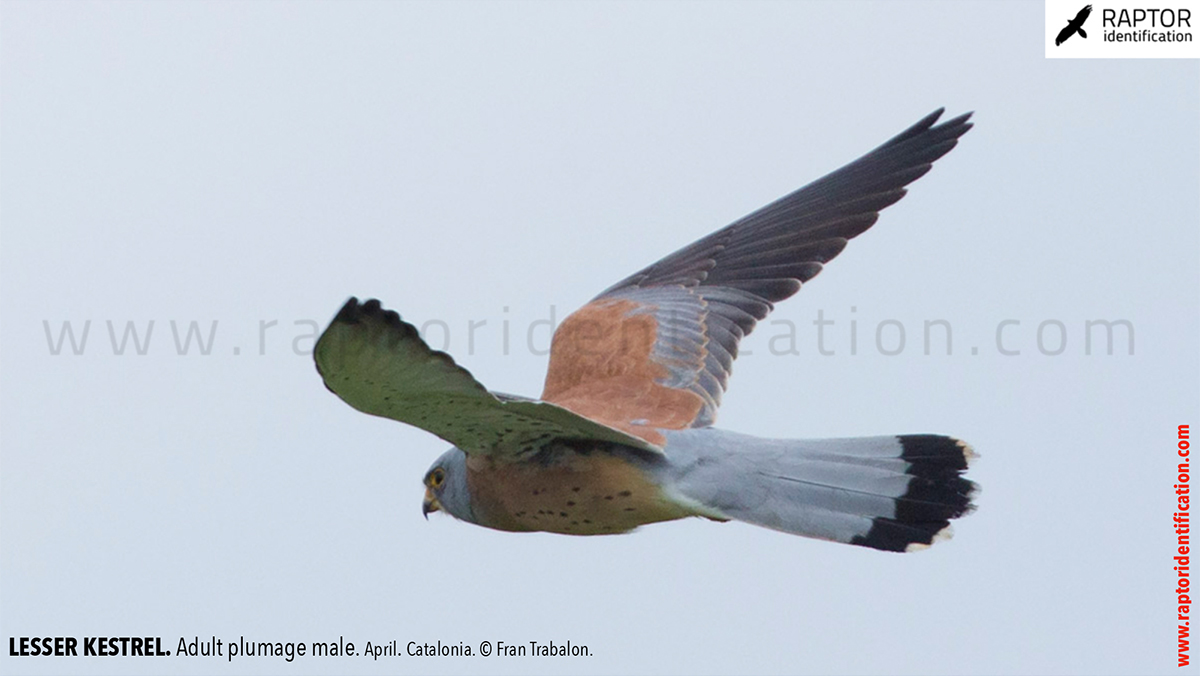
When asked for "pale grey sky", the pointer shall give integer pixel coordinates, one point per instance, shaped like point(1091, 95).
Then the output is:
point(249, 163)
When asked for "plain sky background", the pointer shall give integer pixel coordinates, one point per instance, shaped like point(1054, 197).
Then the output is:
point(243, 163)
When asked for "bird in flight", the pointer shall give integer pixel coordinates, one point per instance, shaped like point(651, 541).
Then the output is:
point(623, 433)
point(1074, 26)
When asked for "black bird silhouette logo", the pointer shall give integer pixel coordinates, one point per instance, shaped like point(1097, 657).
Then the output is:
point(1074, 26)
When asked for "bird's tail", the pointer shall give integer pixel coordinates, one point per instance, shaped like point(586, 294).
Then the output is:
point(1082, 33)
point(894, 493)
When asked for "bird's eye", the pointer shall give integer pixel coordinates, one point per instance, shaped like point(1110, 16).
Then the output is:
point(436, 477)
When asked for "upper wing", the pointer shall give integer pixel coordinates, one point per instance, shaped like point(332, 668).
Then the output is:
point(657, 348)
point(1082, 15)
point(378, 364)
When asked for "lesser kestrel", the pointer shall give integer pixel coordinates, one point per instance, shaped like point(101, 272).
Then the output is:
point(623, 433)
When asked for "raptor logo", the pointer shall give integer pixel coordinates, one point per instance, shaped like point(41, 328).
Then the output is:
point(1074, 26)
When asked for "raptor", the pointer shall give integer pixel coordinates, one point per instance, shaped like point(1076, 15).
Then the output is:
point(623, 434)
point(1074, 26)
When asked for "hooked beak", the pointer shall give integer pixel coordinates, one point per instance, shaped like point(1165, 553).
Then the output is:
point(430, 504)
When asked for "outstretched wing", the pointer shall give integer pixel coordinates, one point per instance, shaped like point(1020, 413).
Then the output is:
point(656, 349)
point(377, 363)
point(1082, 15)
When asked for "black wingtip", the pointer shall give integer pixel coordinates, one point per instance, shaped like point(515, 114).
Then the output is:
point(364, 316)
point(927, 121)
point(354, 312)
point(960, 123)
point(920, 127)
point(927, 130)
point(349, 312)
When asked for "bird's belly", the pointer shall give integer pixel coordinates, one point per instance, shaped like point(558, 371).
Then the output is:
point(597, 493)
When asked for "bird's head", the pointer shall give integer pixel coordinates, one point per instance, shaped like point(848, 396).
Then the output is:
point(446, 487)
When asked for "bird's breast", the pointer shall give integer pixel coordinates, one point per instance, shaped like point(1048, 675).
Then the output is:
point(576, 491)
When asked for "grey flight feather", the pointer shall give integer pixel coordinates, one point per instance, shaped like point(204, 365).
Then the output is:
point(711, 293)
